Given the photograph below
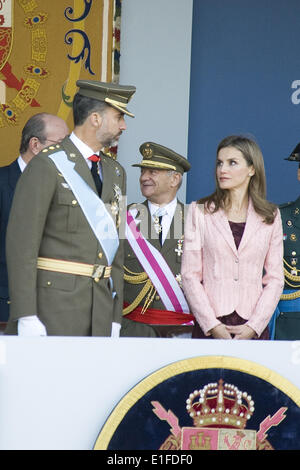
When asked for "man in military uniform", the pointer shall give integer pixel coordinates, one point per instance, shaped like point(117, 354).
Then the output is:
point(154, 304)
point(39, 131)
point(64, 256)
point(285, 323)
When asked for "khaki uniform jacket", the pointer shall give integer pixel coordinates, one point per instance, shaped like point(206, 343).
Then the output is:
point(47, 221)
point(171, 252)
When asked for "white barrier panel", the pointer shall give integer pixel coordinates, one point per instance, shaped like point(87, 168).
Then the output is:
point(58, 392)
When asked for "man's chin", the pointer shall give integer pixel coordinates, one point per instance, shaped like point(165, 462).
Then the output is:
point(146, 192)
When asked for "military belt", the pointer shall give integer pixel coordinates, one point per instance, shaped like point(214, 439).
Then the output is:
point(96, 271)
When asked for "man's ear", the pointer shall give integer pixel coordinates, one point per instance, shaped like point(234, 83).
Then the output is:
point(176, 178)
point(35, 145)
point(96, 119)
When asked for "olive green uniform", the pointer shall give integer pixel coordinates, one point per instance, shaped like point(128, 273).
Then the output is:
point(47, 221)
point(133, 286)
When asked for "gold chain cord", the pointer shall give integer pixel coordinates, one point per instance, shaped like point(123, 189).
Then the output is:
point(147, 291)
point(291, 277)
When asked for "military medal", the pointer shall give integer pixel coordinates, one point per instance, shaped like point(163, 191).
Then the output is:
point(115, 205)
point(178, 279)
point(157, 225)
point(117, 193)
point(114, 208)
point(179, 249)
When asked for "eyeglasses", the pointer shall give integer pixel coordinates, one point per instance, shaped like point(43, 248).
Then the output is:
point(54, 141)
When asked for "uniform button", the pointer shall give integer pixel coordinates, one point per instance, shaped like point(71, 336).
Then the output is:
point(236, 279)
point(100, 255)
point(157, 297)
point(96, 279)
point(294, 253)
point(49, 283)
point(74, 202)
point(8, 302)
point(236, 260)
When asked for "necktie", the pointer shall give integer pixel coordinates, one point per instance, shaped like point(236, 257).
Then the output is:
point(160, 233)
point(158, 223)
point(95, 159)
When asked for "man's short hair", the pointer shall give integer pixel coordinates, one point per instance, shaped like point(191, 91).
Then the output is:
point(34, 127)
point(83, 106)
point(172, 172)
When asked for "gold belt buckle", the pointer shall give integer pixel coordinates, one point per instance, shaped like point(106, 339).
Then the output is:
point(99, 271)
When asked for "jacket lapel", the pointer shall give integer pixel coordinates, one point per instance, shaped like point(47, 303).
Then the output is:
point(175, 231)
point(221, 222)
point(252, 224)
point(152, 236)
point(106, 179)
point(295, 213)
point(81, 166)
point(14, 174)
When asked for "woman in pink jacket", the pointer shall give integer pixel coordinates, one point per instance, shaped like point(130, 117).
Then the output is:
point(232, 268)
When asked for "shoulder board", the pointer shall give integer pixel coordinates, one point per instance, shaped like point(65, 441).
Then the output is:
point(286, 204)
point(51, 149)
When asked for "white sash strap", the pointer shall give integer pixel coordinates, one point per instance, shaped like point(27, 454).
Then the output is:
point(92, 206)
point(157, 269)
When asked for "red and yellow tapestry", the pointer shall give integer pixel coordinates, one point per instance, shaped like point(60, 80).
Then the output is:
point(45, 47)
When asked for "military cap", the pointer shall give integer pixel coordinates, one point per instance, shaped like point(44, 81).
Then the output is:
point(158, 157)
point(295, 155)
point(117, 96)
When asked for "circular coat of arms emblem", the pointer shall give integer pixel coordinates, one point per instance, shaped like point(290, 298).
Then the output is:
point(206, 403)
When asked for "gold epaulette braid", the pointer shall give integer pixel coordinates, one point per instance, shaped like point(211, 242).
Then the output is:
point(147, 291)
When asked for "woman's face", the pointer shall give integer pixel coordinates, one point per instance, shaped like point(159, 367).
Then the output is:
point(232, 170)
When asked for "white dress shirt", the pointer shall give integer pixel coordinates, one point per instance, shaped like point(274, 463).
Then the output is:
point(22, 164)
point(85, 150)
point(169, 210)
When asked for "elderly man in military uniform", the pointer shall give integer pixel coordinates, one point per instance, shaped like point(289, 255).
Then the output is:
point(64, 256)
point(285, 323)
point(154, 303)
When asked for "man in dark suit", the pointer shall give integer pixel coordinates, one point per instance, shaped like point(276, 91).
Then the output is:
point(64, 257)
point(39, 131)
point(148, 312)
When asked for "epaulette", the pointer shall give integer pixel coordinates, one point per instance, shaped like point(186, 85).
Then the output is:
point(51, 149)
point(285, 204)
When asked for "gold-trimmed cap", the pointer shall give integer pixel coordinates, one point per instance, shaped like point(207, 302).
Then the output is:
point(117, 96)
point(158, 157)
point(295, 155)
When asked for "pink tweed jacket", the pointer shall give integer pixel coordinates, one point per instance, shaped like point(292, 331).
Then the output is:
point(219, 279)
